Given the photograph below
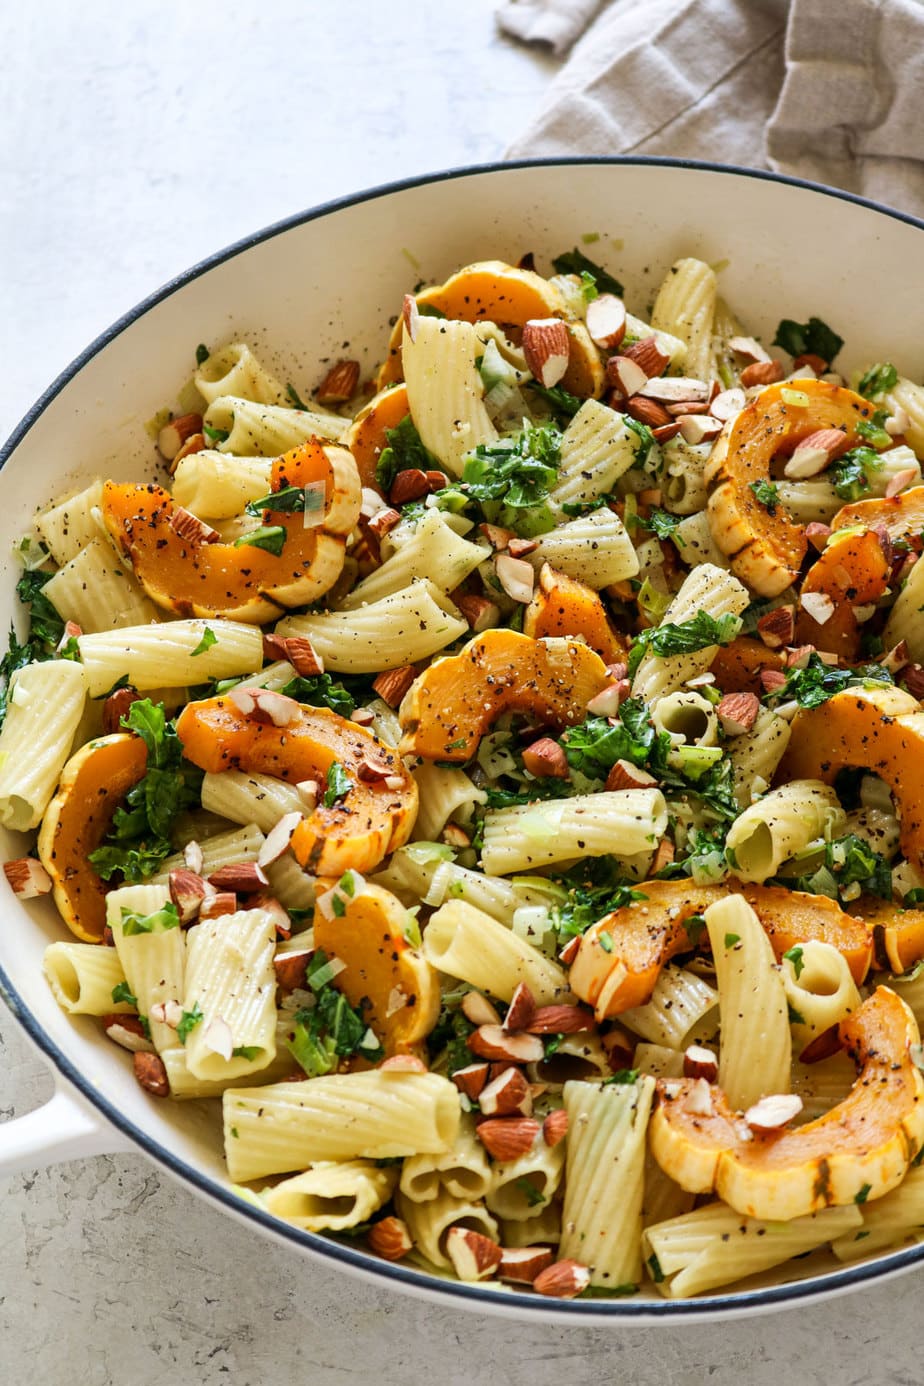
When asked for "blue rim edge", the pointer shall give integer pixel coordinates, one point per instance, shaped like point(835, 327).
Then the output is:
point(469, 1296)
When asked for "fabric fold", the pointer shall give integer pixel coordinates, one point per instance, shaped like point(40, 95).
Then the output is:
point(829, 92)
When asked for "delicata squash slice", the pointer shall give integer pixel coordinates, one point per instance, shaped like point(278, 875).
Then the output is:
point(765, 546)
point(366, 437)
point(563, 606)
point(185, 569)
point(901, 515)
point(858, 1150)
point(852, 571)
point(621, 971)
point(397, 988)
point(880, 730)
point(450, 707)
point(365, 808)
point(898, 932)
point(491, 291)
point(92, 785)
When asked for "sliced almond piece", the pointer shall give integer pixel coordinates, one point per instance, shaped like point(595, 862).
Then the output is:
point(390, 1238)
point(516, 576)
point(737, 712)
point(674, 388)
point(606, 320)
point(521, 1010)
point(522, 1264)
point(773, 1113)
point(506, 1138)
point(625, 376)
point(507, 1094)
point(546, 345)
point(473, 1255)
point(478, 1009)
point(562, 1280)
point(494, 1042)
point(278, 839)
point(699, 1062)
point(727, 404)
point(27, 877)
point(699, 428)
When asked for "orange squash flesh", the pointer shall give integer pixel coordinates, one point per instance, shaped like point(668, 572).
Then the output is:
point(93, 783)
point(878, 730)
point(492, 291)
point(246, 583)
point(860, 1149)
point(902, 515)
point(737, 666)
point(852, 572)
point(453, 703)
point(645, 935)
point(366, 438)
point(358, 830)
point(766, 550)
point(563, 606)
point(898, 932)
point(397, 988)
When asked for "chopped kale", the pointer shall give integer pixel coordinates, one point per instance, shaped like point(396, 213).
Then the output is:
point(290, 500)
point(767, 493)
point(699, 632)
point(595, 888)
point(560, 400)
point(209, 638)
point(847, 861)
point(878, 380)
point(659, 523)
point(159, 922)
point(576, 262)
point(813, 338)
point(331, 1028)
point(447, 1041)
point(850, 474)
point(320, 690)
point(272, 538)
point(514, 473)
point(138, 839)
point(404, 451)
point(873, 430)
point(338, 784)
point(818, 682)
point(188, 1022)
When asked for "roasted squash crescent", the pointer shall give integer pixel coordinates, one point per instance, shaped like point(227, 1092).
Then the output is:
point(858, 1150)
point(491, 291)
point(93, 783)
point(880, 730)
point(398, 989)
point(183, 572)
point(620, 973)
point(450, 707)
point(765, 546)
point(374, 816)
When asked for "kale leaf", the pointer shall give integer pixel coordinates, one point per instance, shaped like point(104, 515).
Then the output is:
point(685, 637)
point(576, 262)
point(813, 338)
point(404, 451)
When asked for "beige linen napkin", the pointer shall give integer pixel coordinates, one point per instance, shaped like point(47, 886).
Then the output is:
point(830, 90)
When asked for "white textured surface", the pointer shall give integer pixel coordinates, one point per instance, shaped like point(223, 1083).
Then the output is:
point(129, 147)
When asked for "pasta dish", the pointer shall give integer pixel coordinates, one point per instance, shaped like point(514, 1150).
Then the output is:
point(496, 787)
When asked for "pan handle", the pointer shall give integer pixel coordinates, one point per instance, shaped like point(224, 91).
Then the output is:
point(65, 1128)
